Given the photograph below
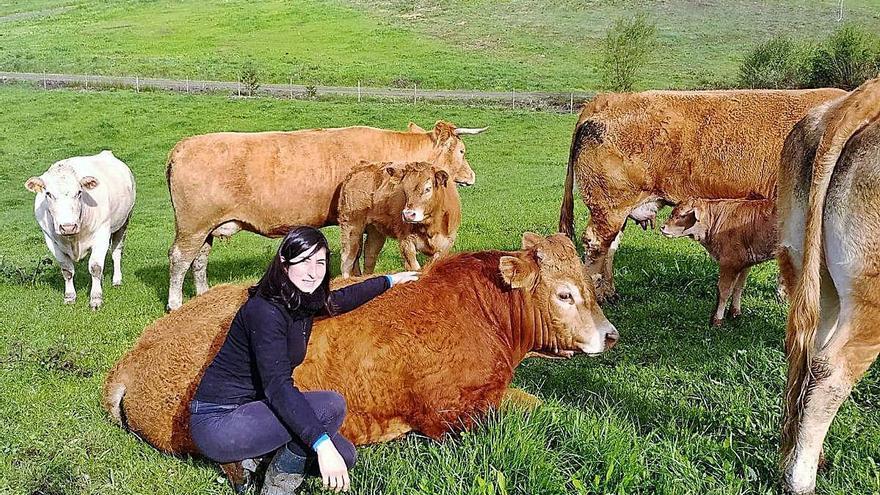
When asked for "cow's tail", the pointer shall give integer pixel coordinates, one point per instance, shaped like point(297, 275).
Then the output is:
point(114, 390)
point(566, 211)
point(859, 109)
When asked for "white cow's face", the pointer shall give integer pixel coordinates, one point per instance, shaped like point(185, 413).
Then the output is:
point(64, 195)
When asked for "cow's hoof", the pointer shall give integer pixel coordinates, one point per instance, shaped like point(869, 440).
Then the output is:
point(735, 313)
point(95, 304)
point(117, 283)
point(716, 322)
point(70, 299)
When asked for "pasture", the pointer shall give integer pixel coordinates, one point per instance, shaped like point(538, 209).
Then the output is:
point(523, 45)
point(676, 407)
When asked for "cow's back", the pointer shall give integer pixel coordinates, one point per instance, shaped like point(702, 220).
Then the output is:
point(270, 181)
point(712, 144)
point(115, 194)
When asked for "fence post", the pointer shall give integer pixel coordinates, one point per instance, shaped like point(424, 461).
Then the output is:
point(359, 91)
point(187, 84)
point(239, 87)
point(44, 80)
point(414, 93)
point(290, 86)
point(571, 103)
point(514, 99)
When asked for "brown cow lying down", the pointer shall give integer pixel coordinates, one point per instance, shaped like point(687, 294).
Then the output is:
point(429, 356)
point(633, 152)
point(737, 233)
point(829, 211)
point(416, 203)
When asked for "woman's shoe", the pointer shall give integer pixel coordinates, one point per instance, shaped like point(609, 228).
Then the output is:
point(284, 474)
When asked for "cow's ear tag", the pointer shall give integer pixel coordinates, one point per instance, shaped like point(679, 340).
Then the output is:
point(517, 272)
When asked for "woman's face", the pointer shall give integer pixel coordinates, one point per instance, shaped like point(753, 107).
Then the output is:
point(307, 270)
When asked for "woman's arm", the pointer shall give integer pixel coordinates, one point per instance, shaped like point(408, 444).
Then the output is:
point(348, 298)
point(268, 333)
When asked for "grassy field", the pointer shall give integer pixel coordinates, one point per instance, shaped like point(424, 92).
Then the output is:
point(474, 44)
point(677, 407)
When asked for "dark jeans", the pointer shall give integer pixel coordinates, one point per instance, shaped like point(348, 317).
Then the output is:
point(230, 433)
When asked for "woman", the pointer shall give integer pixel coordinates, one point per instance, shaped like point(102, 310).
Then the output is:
point(247, 404)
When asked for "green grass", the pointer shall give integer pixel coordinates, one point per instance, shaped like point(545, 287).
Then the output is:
point(677, 407)
point(474, 44)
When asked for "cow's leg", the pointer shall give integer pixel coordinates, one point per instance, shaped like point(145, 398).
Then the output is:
point(181, 255)
point(96, 267)
point(117, 241)
point(738, 285)
point(517, 398)
point(200, 266)
point(833, 372)
point(67, 269)
point(373, 246)
point(726, 277)
point(408, 252)
point(351, 236)
point(601, 239)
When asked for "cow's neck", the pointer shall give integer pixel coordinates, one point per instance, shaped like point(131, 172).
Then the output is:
point(528, 329)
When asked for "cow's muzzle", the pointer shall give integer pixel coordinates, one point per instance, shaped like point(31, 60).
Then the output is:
point(68, 229)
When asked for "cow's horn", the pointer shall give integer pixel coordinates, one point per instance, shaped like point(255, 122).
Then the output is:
point(464, 130)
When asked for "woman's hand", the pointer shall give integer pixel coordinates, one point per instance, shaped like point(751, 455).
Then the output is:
point(334, 472)
point(403, 277)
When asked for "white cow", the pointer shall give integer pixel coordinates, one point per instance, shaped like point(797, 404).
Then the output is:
point(84, 203)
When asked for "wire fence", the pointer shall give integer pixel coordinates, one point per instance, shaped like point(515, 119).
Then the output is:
point(535, 100)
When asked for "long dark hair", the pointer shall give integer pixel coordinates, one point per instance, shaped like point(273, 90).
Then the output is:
point(276, 285)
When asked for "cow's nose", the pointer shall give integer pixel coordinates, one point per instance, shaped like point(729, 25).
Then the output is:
point(68, 228)
point(409, 215)
point(611, 339)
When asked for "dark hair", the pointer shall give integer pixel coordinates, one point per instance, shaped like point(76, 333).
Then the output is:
point(276, 285)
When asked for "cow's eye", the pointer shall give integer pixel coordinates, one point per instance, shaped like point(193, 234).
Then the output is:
point(564, 296)
point(461, 151)
point(49, 195)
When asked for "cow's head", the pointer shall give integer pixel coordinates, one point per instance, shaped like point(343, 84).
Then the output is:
point(686, 220)
point(550, 270)
point(449, 151)
point(423, 185)
point(64, 194)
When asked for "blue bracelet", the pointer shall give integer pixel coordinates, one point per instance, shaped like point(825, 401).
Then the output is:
point(323, 438)
point(390, 281)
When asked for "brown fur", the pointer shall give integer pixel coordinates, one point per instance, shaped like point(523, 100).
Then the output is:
point(430, 355)
point(267, 182)
point(629, 149)
point(737, 233)
point(372, 200)
point(833, 128)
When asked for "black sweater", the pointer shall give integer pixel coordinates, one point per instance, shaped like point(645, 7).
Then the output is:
point(265, 343)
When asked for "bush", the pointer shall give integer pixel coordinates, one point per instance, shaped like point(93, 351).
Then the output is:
point(845, 60)
point(250, 78)
point(777, 64)
point(627, 47)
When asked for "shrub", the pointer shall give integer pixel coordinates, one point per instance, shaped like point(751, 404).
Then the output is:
point(777, 63)
point(846, 59)
point(250, 78)
point(627, 47)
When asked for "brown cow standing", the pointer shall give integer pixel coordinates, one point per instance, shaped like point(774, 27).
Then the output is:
point(431, 355)
point(660, 147)
point(737, 233)
point(413, 202)
point(829, 209)
point(267, 182)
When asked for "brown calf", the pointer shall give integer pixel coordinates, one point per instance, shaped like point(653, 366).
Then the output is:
point(737, 233)
point(430, 355)
point(415, 203)
point(829, 212)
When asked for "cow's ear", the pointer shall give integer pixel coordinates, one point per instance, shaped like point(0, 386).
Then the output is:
point(394, 172)
point(413, 127)
point(443, 131)
point(530, 240)
point(440, 178)
point(518, 273)
point(35, 185)
point(88, 182)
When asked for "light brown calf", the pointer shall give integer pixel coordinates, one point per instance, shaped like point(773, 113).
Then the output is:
point(829, 212)
point(415, 203)
point(737, 233)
